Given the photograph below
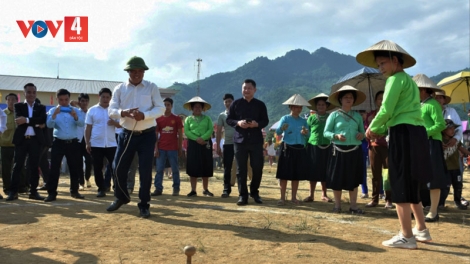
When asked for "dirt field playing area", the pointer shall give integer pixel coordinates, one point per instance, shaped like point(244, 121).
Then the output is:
point(82, 231)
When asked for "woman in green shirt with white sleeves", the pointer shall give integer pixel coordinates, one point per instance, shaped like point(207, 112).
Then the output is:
point(408, 158)
point(198, 129)
point(345, 129)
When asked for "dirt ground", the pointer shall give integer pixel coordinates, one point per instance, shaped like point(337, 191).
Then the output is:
point(82, 231)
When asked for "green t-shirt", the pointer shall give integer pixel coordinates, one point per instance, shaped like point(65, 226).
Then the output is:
point(339, 123)
point(228, 139)
point(400, 105)
point(198, 126)
point(317, 126)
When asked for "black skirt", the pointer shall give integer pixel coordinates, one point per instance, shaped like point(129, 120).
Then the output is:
point(440, 179)
point(345, 169)
point(292, 163)
point(409, 165)
point(199, 160)
point(317, 163)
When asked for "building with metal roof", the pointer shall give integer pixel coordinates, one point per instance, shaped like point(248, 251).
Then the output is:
point(47, 88)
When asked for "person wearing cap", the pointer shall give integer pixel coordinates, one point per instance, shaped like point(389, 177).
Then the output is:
point(449, 113)
point(452, 157)
point(230, 168)
point(378, 155)
point(400, 117)
point(345, 129)
point(168, 148)
point(7, 129)
point(248, 116)
point(318, 147)
point(293, 158)
point(198, 129)
point(431, 113)
point(136, 103)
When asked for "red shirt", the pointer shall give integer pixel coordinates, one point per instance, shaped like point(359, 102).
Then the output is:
point(167, 127)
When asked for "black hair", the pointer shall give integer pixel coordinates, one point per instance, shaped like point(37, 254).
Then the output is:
point(11, 94)
point(228, 96)
point(194, 103)
point(362, 111)
point(343, 93)
point(37, 101)
point(316, 100)
point(62, 92)
point(83, 96)
point(377, 94)
point(250, 81)
point(30, 84)
point(169, 100)
point(103, 90)
point(389, 54)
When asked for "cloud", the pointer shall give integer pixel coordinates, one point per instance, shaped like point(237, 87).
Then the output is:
point(170, 34)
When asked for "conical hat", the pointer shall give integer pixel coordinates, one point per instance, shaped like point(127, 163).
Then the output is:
point(423, 81)
point(367, 58)
point(296, 99)
point(313, 106)
point(443, 93)
point(361, 97)
point(196, 99)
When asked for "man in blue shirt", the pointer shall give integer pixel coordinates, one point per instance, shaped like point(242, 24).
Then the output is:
point(65, 120)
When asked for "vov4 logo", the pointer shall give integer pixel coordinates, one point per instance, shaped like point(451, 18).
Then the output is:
point(75, 28)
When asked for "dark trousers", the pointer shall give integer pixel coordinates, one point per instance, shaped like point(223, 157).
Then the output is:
point(44, 164)
point(255, 152)
point(98, 155)
point(378, 156)
point(457, 184)
point(229, 153)
point(128, 145)
point(30, 147)
point(8, 155)
point(84, 175)
point(71, 150)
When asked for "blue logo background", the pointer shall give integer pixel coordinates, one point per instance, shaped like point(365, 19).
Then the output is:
point(35, 29)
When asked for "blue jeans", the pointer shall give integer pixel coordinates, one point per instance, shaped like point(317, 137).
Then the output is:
point(172, 156)
point(144, 145)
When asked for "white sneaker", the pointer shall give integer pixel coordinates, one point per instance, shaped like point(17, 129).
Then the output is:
point(81, 188)
point(399, 241)
point(422, 236)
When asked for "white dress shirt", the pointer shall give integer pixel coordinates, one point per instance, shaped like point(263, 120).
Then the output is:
point(144, 96)
point(102, 134)
point(30, 129)
point(450, 113)
point(81, 129)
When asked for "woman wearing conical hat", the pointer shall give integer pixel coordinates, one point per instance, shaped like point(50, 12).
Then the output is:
point(431, 112)
point(345, 129)
point(293, 154)
point(318, 147)
point(198, 129)
point(400, 116)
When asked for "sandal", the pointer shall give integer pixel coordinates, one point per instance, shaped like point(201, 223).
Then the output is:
point(337, 210)
point(464, 202)
point(356, 211)
point(307, 200)
point(388, 206)
point(295, 201)
point(281, 202)
point(327, 199)
point(372, 204)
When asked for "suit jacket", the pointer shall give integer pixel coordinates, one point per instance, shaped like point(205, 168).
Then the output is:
point(39, 117)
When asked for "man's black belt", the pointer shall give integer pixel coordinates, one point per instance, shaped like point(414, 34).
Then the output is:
point(139, 132)
point(67, 141)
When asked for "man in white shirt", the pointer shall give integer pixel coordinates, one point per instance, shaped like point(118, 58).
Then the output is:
point(137, 103)
point(82, 104)
point(100, 137)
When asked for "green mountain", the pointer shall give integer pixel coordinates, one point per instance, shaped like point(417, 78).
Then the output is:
point(298, 71)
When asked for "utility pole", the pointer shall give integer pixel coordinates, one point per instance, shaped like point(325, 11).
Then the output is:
point(199, 60)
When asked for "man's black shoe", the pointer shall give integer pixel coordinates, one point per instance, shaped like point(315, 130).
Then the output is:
point(225, 194)
point(12, 196)
point(42, 188)
point(144, 212)
point(156, 193)
point(77, 195)
point(50, 198)
point(36, 196)
point(257, 199)
point(115, 205)
point(242, 201)
point(101, 194)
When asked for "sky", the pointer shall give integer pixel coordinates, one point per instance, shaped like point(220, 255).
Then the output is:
point(170, 35)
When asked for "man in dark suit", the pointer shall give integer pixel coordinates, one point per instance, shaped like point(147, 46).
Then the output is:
point(28, 139)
